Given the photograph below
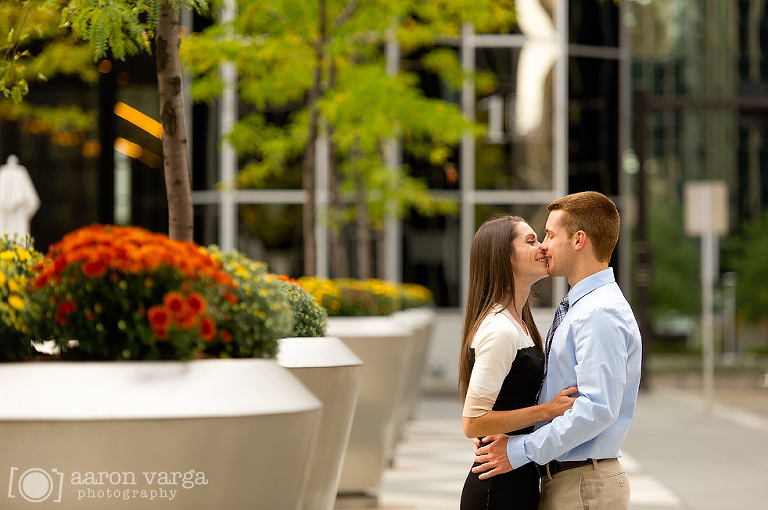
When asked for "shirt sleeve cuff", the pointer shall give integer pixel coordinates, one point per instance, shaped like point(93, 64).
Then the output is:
point(516, 451)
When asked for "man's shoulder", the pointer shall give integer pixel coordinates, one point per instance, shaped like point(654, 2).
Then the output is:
point(606, 301)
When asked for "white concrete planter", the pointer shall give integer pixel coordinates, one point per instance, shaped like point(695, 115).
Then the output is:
point(234, 434)
point(421, 320)
point(331, 371)
point(385, 348)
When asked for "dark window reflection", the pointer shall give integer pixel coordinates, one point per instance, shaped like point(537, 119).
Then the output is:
point(593, 125)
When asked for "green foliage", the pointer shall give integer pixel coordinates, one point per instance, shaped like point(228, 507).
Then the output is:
point(751, 265)
point(119, 27)
point(675, 284)
point(261, 314)
point(37, 48)
point(309, 318)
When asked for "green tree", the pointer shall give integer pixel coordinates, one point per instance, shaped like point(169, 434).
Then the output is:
point(37, 48)
point(675, 288)
point(751, 264)
point(324, 61)
point(121, 28)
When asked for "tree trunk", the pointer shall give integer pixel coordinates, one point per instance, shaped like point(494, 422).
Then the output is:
point(363, 247)
point(308, 183)
point(339, 259)
point(308, 165)
point(176, 168)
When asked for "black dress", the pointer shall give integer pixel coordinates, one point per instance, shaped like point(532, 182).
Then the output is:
point(518, 489)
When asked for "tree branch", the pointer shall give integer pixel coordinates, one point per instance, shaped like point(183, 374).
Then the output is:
point(347, 13)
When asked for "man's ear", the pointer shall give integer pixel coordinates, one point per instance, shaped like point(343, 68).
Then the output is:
point(580, 239)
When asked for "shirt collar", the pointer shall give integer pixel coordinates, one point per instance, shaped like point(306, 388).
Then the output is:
point(589, 284)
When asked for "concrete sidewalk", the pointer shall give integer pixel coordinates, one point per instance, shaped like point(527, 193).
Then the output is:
point(680, 454)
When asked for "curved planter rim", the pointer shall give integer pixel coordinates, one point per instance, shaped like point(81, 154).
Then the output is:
point(71, 391)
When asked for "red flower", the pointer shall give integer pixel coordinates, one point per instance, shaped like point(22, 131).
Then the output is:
point(95, 268)
point(65, 308)
point(158, 318)
point(207, 329)
point(226, 336)
point(59, 264)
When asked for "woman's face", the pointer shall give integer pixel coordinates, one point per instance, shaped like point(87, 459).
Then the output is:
point(529, 263)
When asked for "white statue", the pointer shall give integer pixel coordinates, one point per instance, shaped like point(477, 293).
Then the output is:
point(18, 198)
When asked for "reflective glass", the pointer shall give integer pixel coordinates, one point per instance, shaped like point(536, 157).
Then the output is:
point(516, 152)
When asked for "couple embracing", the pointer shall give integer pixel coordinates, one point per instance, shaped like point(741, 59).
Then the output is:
point(549, 415)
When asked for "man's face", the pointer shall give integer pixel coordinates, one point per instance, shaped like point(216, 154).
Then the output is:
point(557, 246)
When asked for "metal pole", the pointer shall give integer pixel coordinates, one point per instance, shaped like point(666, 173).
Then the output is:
point(707, 318)
point(729, 317)
point(227, 155)
point(642, 244)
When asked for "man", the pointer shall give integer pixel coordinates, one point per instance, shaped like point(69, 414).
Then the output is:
point(594, 344)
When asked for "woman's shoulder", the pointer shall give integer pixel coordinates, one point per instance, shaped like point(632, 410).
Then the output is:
point(497, 327)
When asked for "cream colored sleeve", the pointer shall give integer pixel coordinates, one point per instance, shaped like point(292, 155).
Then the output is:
point(495, 349)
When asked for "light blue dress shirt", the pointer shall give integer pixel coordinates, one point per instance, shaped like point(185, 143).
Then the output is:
point(597, 347)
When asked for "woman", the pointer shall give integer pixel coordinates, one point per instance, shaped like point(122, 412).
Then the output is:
point(502, 362)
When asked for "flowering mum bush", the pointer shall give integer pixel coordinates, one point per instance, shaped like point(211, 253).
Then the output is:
point(127, 293)
point(349, 297)
point(309, 318)
point(413, 295)
point(261, 312)
point(17, 312)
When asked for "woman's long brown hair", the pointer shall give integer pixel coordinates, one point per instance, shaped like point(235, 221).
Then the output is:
point(491, 282)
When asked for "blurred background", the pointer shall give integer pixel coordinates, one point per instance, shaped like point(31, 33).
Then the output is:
point(636, 99)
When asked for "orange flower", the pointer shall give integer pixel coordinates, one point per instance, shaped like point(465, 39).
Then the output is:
point(196, 303)
point(226, 336)
point(174, 302)
point(187, 321)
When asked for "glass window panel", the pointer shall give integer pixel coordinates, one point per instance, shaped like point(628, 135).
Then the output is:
point(206, 224)
point(271, 233)
point(593, 23)
point(516, 152)
point(593, 125)
point(431, 256)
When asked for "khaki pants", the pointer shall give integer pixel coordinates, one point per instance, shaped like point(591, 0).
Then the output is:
point(604, 487)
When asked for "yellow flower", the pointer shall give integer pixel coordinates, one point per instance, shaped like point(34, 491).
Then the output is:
point(3, 278)
point(7, 255)
point(16, 301)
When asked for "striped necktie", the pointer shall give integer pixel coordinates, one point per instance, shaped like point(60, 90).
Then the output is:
point(559, 314)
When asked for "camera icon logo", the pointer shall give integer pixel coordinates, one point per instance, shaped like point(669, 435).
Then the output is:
point(36, 485)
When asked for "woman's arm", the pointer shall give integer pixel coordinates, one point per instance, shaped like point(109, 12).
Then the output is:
point(500, 422)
